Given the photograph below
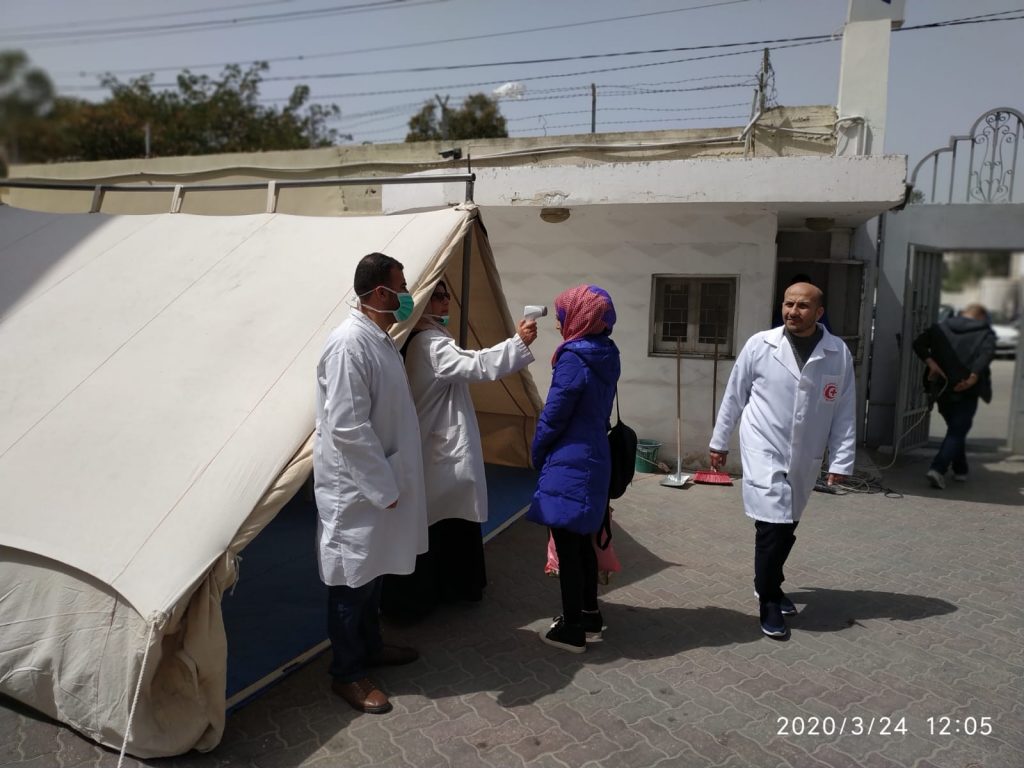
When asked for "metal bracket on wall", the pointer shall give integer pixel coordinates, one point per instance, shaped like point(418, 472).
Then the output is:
point(271, 197)
point(176, 199)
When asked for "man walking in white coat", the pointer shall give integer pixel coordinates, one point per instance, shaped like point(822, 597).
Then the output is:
point(368, 477)
point(794, 393)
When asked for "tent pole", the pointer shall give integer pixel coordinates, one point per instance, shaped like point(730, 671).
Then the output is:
point(467, 255)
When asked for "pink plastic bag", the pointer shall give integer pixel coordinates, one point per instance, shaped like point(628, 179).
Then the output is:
point(607, 562)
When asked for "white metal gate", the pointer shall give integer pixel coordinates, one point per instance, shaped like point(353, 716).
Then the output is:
point(920, 310)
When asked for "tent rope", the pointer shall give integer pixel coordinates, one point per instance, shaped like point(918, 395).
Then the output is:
point(138, 689)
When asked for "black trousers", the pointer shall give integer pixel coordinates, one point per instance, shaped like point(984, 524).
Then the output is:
point(772, 544)
point(354, 628)
point(577, 573)
point(452, 569)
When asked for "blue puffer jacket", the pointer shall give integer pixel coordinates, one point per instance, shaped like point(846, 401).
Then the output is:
point(571, 442)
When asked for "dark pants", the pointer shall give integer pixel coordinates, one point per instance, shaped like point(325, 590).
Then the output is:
point(577, 573)
point(353, 624)
point(959, 416)
point(772, 544)
point(452, 569)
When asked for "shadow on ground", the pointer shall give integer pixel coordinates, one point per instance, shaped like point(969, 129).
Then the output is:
point(996, 476)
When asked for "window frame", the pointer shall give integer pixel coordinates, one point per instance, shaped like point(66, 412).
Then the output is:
point(657, 347)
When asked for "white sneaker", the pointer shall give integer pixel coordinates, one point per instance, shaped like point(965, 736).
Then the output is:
point(960, 478)
point(937, 480)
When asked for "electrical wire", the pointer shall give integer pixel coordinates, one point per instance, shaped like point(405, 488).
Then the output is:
point(625, 109)
point(76, 37)
point(603, 123)
point(932, 400)
point(577, 125)
point(774, 44)
point(115, 19)
point(404, 46)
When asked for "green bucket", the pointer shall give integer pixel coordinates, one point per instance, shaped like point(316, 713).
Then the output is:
point(647, 455)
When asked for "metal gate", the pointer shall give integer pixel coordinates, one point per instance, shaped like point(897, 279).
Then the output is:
point(921, 309)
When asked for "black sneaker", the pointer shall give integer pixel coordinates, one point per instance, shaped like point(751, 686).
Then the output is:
point(568, 637)
point(787, 605)
point(772, 623)
point(593, 625)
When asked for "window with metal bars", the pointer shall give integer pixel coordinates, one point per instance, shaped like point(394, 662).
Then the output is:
point(698, 312)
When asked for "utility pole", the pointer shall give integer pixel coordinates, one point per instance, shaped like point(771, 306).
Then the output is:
point(762, 81)
point(593, 108)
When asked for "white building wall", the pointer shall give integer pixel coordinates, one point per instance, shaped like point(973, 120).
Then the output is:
point(620, 248)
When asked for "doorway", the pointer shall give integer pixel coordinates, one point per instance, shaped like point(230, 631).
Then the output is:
point(994, 279)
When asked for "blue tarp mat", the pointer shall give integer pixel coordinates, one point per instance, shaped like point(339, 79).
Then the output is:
point(277, 610)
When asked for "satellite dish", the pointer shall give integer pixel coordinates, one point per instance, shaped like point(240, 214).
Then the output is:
point(509, 91)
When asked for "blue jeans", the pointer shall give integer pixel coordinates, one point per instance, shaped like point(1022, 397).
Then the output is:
point(353, 624)
point(959, 416)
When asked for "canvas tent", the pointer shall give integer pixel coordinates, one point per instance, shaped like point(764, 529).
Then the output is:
point(156, 410)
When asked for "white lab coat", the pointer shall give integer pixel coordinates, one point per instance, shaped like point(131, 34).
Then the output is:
point(439, 375)
point(789, 417)
point(366, 455)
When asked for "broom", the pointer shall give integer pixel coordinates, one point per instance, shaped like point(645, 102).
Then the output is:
point(713, 476)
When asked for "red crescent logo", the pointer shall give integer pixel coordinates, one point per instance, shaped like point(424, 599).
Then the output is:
point(831, 390)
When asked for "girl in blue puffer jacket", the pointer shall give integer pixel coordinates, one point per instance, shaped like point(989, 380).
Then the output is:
point(570, 447)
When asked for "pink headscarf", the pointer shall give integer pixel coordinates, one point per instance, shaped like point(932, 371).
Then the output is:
point(585, 310)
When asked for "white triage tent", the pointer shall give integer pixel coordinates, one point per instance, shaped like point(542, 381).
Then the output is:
point(157, 379)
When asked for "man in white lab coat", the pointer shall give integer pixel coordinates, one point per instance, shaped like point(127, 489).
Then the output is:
point(793, 391)
point(368, 476)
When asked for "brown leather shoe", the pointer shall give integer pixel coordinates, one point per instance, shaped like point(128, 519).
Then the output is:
point(392, 656)
point(363, 696)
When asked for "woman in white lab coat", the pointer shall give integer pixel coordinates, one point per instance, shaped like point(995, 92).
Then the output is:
point(439, 375)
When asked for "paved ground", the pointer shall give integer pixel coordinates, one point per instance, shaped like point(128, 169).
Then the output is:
point(910, 605)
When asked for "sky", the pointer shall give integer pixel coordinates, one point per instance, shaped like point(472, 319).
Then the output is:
point(940, 80)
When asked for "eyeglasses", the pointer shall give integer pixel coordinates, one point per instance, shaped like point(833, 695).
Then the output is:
point(441, 295)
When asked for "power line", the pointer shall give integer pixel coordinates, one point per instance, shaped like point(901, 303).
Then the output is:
point(980, 19)
point(424, 89)
point(747, 80)
point(646, 122)
point(625, 109)
point(403, 46)
point(390, 139)
point(550, 60)
point(390, 112)
point(806, 41)
point(201, 11)
point(75, 37)
point(590, 56)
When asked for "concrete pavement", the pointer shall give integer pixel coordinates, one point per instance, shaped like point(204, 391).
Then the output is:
point(909, 645)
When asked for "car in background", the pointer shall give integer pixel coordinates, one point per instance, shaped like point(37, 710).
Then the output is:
point(1005, 329)
point(1006, 339)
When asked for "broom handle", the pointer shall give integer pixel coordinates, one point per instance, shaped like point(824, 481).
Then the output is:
point(679, 402)
point(714, 383)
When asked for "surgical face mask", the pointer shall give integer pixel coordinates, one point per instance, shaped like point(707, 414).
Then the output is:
point(442, 319)
point(405, 305)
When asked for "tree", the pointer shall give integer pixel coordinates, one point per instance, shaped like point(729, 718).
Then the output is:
point(26, 93)
point(202, 115)
point(478, 118)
